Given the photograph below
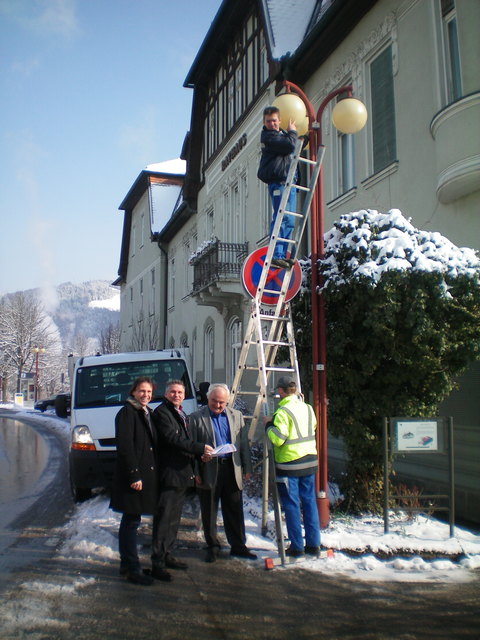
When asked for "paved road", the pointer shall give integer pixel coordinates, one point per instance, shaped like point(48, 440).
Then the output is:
point(34, 491)
point(225, 600)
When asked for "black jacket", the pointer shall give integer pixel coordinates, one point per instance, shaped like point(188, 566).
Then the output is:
point(277, 148)
point(177, 450)
point(136, 460)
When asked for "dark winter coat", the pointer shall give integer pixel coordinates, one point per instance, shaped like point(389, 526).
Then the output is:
point(136, 460)
point(177, 450)
point(277, 148)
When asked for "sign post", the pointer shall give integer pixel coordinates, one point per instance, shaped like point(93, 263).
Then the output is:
point(426, 436)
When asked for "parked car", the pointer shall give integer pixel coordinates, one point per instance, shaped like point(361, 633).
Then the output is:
point(62, 404)
point(43, 405)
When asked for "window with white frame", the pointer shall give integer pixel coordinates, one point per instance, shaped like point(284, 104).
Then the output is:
point(152, 292)
point(209, 224)
point(187, 273)
point(234, 212)
point(231, 103)
point(265, 217)
point(194, 352)
point(133, 240)
point(263, 63)
point(208, 353)
point(451, 51)
point(234, 346)
point(382, 110)
point(142, 230)
point(171, 283)
point(239, 94)
point(345, 159)
point(131, 306)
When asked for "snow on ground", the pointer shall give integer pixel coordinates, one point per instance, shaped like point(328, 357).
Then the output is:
point(91, 535)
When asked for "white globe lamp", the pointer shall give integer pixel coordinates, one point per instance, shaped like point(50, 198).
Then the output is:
point(292, 107)
point(349, 115)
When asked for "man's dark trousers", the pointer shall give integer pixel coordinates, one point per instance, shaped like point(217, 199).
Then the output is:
point(227, 492)
point(166, 522)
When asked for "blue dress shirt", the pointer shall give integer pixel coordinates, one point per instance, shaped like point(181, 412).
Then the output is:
point(221, 429)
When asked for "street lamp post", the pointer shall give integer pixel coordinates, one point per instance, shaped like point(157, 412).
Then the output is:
point(353, 120)
point(36, 351)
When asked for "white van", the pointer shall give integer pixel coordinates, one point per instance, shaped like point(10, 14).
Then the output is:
point(100, 386)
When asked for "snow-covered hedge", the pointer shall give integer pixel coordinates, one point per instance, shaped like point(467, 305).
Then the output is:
point(366, 244)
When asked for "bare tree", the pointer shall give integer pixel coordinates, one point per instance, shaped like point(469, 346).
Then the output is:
point(110, 338)
point(83, 345)
point(23, 327)
point(146, 334)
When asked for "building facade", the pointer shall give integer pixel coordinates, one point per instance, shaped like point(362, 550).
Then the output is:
point(414, 63)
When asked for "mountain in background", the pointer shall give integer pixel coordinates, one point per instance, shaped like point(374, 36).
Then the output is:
point(85, 309)
point(79, 312)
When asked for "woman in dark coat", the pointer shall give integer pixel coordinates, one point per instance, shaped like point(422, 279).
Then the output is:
point(135, 481)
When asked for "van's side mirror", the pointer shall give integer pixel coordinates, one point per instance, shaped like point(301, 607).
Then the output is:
point(202, 393)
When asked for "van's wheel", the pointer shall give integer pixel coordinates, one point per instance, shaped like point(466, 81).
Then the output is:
point(80, 494)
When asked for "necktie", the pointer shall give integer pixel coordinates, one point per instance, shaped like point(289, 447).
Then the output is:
point(183, 418)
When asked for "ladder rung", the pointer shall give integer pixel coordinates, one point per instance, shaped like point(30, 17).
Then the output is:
point(276, 342)
point(286, 240)
point(306, 160)
point(300, 187)
point(248, 393)
point(279, 369)
point(274, 291)
point(265, 317)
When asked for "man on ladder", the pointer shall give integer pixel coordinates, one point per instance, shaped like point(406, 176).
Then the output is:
point(292, 434)
point(277, 149)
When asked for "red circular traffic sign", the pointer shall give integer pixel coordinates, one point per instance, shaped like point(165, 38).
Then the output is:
point(251, 273)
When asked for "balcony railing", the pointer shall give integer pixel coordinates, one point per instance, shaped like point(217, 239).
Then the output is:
point(218, 261)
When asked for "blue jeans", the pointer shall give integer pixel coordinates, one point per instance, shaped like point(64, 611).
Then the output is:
point(298, 495)
point(276, 190)
point(127, 541)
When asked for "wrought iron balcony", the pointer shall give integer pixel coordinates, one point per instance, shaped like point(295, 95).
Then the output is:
point(218, 261)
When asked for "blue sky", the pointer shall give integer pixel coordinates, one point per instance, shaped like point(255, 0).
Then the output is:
point(91, 93)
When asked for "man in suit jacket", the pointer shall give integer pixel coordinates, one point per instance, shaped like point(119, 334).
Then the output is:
point(176, 454)
point(220, 478)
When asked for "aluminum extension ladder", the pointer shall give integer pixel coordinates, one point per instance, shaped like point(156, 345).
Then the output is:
point(266, 332)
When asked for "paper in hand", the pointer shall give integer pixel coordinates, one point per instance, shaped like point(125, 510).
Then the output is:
point(223, 449)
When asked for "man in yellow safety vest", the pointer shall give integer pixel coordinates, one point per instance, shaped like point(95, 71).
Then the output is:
point(292, 434)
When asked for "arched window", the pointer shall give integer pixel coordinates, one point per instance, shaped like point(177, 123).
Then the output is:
point(208, 353)
point(194, 354)
point(234, 346)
